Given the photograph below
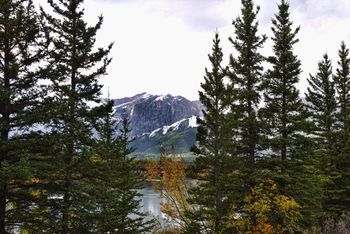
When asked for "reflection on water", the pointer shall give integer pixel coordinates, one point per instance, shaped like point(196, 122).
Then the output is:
point(150, 202)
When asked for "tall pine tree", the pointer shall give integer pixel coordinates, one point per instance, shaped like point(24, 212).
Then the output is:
point(115, 180)
point(321, 103)
point(246, 77)
point(73, 69)
point(338, 200)
point(342, 81)
point(284, 117)
point(20, 95)
point(214, 163)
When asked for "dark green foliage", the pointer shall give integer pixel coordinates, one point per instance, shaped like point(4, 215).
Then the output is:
point(322, 105)
point(338, 190)
point(284, 109)
point(338, 202)
point(116, 183)
point(214, 164)
point(246, 78)
point(73, 68)
point(342, 83)
point(77, 175)
point(20, 93)
point(289, 150)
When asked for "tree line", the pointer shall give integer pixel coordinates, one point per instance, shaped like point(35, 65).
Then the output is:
point(269, 160)
point(63, 157)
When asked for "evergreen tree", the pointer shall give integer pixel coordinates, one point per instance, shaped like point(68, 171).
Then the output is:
point(65, 202)
point(246, 76)
point(284, 108)
point(20, 94)
point(338, 200)
point(116, 182)
point(342, 81)
point(213, 194)
point(290, 152)
point(322, 105)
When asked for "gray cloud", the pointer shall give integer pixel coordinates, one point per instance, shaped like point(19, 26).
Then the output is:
point(314, 12)
point(202, 15)
point(315, 9)
point(325, 19)
point(197, 14)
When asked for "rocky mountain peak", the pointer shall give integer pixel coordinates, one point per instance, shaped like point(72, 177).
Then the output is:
point(148, 112)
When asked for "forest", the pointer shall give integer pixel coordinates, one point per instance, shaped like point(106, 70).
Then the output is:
point(268, 159)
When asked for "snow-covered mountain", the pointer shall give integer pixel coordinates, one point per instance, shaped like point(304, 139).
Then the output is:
point(148, 112)
point(160, 120)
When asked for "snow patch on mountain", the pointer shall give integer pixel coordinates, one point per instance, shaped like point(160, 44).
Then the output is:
point(133, 100)
point(193, 122)
point(161, 98)
point(185, 123)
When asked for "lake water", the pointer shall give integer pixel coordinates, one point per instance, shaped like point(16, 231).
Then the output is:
point(150, 202)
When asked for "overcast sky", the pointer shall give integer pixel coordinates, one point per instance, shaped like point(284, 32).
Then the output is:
point(161, 46)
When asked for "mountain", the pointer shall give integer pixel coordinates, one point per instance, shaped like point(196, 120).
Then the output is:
point(177, 138)
point(148, 112)
point(160, 120)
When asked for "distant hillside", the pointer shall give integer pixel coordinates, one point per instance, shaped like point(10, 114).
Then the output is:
point(178, 137)
point(155, 120)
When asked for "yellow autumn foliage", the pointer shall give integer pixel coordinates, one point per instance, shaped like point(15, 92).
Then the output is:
point(168, 177)
point(265, 211)
point(95, 158)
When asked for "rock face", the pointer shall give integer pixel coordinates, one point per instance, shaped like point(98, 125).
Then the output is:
point(150, 112)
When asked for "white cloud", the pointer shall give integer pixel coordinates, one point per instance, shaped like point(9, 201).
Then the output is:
point(161, 46)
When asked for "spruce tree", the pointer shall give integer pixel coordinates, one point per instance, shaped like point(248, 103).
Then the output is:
point(246, 77)
point(284, 108)
point(338, 201)
point(284, 116)
point(116, 182)
point(20, 94)
point(342, 82)
point(214, 164)
point(321, 104)
point(65, 204)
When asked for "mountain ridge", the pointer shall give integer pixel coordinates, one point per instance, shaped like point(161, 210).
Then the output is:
point(147, 112)
point(156, 120)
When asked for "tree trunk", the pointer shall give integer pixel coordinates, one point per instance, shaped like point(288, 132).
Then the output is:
point(2, 208)
point(4, 133)
point(251, 133)
point(65, 218)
